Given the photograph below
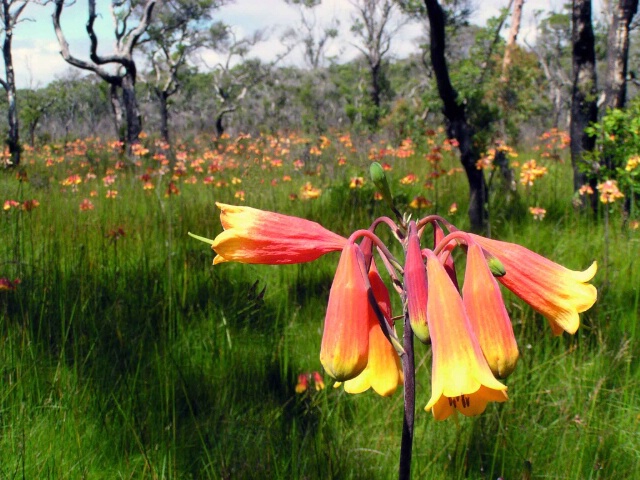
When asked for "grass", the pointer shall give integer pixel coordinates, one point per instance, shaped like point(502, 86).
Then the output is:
point(127, 355)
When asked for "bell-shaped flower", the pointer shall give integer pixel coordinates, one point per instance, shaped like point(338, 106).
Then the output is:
point(257, 236)
point(461, 378)
point(383, 372)
point(488, 316)
point(438, 235)
point(345, 340)
point(554, 291)
point(415, 285)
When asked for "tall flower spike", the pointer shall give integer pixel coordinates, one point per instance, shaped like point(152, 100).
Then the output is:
point(461, 379)
point(554, 291)
point(415, 284)
point(488, 315)
point(257, 236)
point(345, 340)
point(383, 372)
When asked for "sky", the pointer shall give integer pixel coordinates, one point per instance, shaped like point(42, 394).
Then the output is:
point(37, 59)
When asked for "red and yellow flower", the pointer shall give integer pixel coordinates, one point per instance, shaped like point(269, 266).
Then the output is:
point(461, 378)
point(257, 236)
point(550, 289)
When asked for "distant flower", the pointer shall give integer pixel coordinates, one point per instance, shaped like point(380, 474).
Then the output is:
point(8, 285)
point(609, 192)
point(236, 181)
point(298, 164)
point(420, 202)
point(108, 180)
point(309, 192)
point(239, 195)
point(112, 193)
point(453, 208)
point(86, 204)
point(537, 212)
point(632, 163)
point(9, 204)
point(585, 190)
point(29, 205)
point(115, 234)
point(286, 178)
point(530, 172)
point(634, 224)
point(172, 189)
point(409, 179)
point(303, 383)
point(356, 182)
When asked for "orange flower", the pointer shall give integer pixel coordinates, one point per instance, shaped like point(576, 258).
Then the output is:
point(383, 372)
point(554, 291)
point(303, 383)
point(461, 378)
point(487, 314)
point(415, 284)
point(257, 236)
point(345, 341)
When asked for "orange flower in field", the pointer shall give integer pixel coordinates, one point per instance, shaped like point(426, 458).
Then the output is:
point(383, 372)
point(345, 341)
point(461, 380)
point(585, 190)
point(309, 192)
point(257, 236)
point(303, 383)
point(415, 284)
point(453, 208)
point(537, 212)
point(356, 182)
point(409, 179)
point(86, 205)
point(488, 316)
point(318, 381)
point(172, 189)
point(9, 204)
point(239, 195)
point(112, 193)
point(554, 291)
point(420, 202)
point(609, 192)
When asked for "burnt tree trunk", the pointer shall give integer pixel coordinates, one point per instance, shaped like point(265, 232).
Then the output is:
point(584, 108)
point(618, 53)
point(131, 109)
point(116, 109)
point(457, 125)
point(9, 84)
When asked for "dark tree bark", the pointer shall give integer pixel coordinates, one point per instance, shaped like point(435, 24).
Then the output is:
point(584, 108)
point(457, 125)
point(618, 53)
point(11, 11)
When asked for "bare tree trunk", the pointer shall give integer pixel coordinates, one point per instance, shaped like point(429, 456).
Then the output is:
point(516, 17)
point(116, 108)
point(618, 53)
point(9, 84)
point(131, 109)
point(584, 108)
point(164, 114)
point(458, 127)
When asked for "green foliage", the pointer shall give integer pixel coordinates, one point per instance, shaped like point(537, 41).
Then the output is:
point(617, 148)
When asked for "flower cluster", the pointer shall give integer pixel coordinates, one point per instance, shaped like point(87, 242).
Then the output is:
point(468, 327)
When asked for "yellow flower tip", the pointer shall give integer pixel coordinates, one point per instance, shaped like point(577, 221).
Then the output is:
point(468, 405)
point(219, 259)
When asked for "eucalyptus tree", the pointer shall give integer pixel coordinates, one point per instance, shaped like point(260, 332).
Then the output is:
point(584, 108)
point(374, 25)
point(11, 12)
point(622, 14)
point(181, 28)
point(119, 68)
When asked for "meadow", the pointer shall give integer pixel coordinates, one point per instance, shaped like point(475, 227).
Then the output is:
point(126, 354)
